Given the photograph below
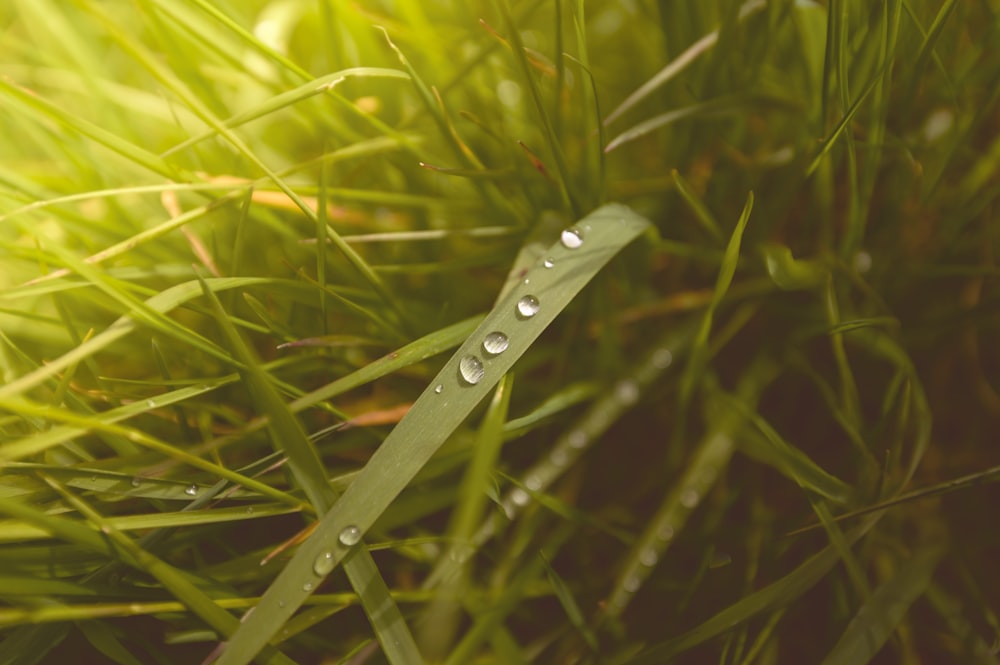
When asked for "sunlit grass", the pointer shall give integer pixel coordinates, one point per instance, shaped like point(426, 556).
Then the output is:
point(508, 332)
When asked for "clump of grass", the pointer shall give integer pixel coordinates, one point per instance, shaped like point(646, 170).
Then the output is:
point(502, 332)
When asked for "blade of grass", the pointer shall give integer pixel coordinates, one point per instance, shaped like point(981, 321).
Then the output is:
point(876, 620)
point(706, 465)
point(522, 315)
point(699, 349)
point(164, 75)
point(775, 451)
point(162, 302)
point(441, 617)
point(555, 146)
point(37, 105)
point(678, 64)
point(288, 436)
point(776, 595)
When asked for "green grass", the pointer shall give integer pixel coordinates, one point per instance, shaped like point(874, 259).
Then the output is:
point(506, 332)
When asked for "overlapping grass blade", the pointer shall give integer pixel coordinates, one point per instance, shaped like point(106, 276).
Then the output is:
point(566, 186)
point(165, 301)
point(522, 316)
point(441, 618)
point(707, 463)
point(678, 64)
point(777, 595)
point(288, 436)
point(32, 103)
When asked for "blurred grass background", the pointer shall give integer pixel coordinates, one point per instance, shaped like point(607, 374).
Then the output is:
point(728, 380)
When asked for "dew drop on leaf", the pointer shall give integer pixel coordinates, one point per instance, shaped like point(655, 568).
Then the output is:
point(191, 490)
point(527, 306)
point(548, 263)
point(438, 389)
point(627, 392)
point(471, 369)
point(662, 358)
point(350, 536)
point(571, 238)
point(323, 564)
point(495, 343)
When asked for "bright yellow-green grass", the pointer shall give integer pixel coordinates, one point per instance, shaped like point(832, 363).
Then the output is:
point(617, 332)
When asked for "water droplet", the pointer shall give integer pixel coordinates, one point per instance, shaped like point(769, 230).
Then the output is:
point(281, 603)
point(571, 238)
point(627, 392)
point(471, 369)
point(323, 564)
point(519, 497)
point(632, 583)
point(690, 498)
point(249, 510)
point(720, 560)
point(527, 307)
point(577, 439)
point(648, 557)
point(350, 536)
point(533, 483)
point(662, 358)
point(150, 403)
point(548, 263)
point(495, 343)
point(135, 482)
point(527, 281)
point(665, 532)
point(559, 457)
point(308, 586)
point(191, 490)
point(459, 554)
point(862, 262)
point(438, 389)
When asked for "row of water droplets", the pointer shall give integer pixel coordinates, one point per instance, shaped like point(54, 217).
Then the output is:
point(625, 394)
point(472, 371)
point(324, 564)
point(470, 368)
point(690, 496)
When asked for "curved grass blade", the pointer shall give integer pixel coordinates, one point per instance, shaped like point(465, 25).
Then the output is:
point(699, 350)
point(772, 449)
point(521, 316)
point(876, 620)
point(711, 107)
point(311, 88)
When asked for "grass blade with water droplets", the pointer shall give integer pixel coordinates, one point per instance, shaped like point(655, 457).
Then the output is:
point(463, 382)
